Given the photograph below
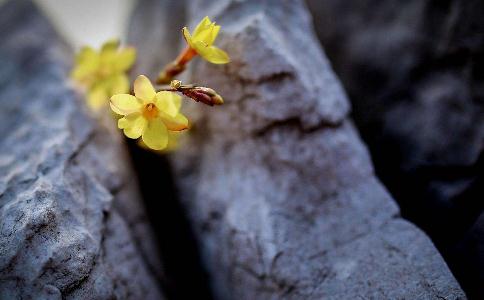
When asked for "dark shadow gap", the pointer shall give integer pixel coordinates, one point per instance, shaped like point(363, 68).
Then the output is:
point(447, 223)
point(436, 193)
point(184, 275)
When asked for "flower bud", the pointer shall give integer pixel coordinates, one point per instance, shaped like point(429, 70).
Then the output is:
point(203, 94)
point(198, 93)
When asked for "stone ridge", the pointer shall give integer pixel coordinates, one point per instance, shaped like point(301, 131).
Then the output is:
point(278, 184)
point(413, 71)
point(70, 226)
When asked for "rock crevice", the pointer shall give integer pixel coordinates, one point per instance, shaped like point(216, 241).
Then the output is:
point(279, 188)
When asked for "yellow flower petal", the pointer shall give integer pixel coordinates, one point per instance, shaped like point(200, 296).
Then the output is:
point(124, 104)
point(108, 55)
point(103, 73)
point(119, 84)
point(213, 34)
point(125, 59)
point(86, 53)
point(172, 145)
point(211, 53)
point(187, 36)
point(143, 89)
point(133, 125)
point(155, 135)
point(203, 36)
point(208, 35)
point(87, 62)
point(97, 97)
point(206, 31)
point(176, 123)
point(173, 141)
point(168, 102)
point(110, 46)
point(203, 25)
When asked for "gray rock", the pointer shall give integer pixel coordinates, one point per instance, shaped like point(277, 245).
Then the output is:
point(278, 185)
point(158, 30)
point(413, 71)
point(71, 221)
point(468, 255)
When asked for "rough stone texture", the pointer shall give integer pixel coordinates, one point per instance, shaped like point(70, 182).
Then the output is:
point(468, 255)
point(414, 73)
point(278, 185)
point(71, 224)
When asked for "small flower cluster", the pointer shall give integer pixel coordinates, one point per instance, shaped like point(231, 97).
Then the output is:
point(103, 73)
point(201, 43)
point(152, 115)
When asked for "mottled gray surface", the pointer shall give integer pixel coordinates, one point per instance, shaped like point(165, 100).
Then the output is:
point(469, 252)
point(414, 73)
point(158, 30)
point(278, 185)
point(71, 224)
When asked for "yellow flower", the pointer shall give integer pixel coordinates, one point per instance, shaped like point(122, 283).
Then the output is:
point(103, 73)
point(202, 41)
point(172, 145)
point(149, 114)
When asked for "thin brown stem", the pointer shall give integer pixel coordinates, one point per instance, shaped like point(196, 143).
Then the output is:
point(177, 66)
point(186, 55)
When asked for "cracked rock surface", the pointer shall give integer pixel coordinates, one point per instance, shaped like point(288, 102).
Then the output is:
point(71, 224)
point(414, 73)
point(278, 185)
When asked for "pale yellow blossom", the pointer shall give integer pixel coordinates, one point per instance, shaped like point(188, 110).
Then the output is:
point(201, 40)
point(148, 114)
point(103, 73)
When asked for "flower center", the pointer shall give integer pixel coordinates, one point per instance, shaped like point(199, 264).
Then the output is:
point(104, 71)
point(150, 111)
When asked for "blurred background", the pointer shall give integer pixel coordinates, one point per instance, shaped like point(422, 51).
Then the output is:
point(88, 22)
